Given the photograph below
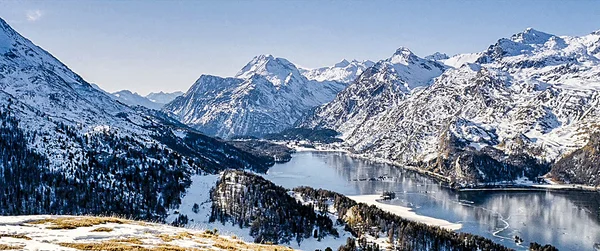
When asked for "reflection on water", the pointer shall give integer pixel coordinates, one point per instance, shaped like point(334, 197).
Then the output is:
point(568, 220)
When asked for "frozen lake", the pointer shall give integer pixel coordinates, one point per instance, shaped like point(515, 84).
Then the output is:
point(567, 220)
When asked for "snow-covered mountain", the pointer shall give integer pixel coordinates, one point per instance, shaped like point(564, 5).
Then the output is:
point(154, 100)
point(163, 97)
point(134, 99)
point(67, 147)
point(268, 95)
point(438, 56)
point(501, 114)
point(375, 91)
point(344, 71)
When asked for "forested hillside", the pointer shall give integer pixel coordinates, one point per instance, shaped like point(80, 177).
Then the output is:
point(250, 201)
point(104, 174)
point(69, 148)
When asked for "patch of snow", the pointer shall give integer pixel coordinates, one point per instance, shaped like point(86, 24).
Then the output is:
point(405, 212)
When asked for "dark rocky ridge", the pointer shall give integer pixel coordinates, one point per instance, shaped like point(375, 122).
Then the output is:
point(581, 166)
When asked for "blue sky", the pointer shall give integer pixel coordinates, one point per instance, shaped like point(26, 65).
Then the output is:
point(166, 45)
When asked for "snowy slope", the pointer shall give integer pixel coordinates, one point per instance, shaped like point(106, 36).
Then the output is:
point(533, 95)
point(62, 136)
point(199, 218)
point(268, 95)
point(44, 232)
point(378, 88)
point(344, 71)
point(459, 60)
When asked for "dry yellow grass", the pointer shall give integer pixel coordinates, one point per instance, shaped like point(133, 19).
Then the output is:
point(75, 222)
point(133, 244)
point(236, 244)
point(133, 240)
point(102, 229)
point(18, 236)
point(111, 246)
point(178, 236)
point(10, 247)
point(208, 240)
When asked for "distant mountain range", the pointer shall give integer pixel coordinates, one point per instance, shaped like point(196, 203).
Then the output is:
point(153, 100)
point(508, 112)
point(344, 71)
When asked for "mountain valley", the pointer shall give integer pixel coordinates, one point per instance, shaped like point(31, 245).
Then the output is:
point(523, 114)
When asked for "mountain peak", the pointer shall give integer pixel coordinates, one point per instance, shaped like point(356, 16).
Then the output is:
point(343, 63)
point(531, 36)
point(276, 70)
point(437, 56)
point(263, 57)
point(403, 56)
point(403, 51)
point(124, 92)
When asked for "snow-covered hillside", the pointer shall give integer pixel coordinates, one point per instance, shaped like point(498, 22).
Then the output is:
point(344, 71)
point(375, 91)
point(70, 148)
point(516, 107)
point(268, 95)
point(254, 209)
point(44, 232)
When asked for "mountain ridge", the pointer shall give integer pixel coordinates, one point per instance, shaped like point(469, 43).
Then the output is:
point(85, 152)
point(268, 95)
point(533, 95)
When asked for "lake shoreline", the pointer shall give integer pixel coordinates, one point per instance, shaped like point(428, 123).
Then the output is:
point(532, 213)
point(444, 181)
point(404, 212)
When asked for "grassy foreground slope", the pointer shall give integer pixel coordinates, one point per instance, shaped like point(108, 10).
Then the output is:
point(106, 233)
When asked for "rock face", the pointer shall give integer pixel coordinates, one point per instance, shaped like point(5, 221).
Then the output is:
point(517, 107)
point(581, 166)
point(268, 95)
point(437, 56)
point(69, 148)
